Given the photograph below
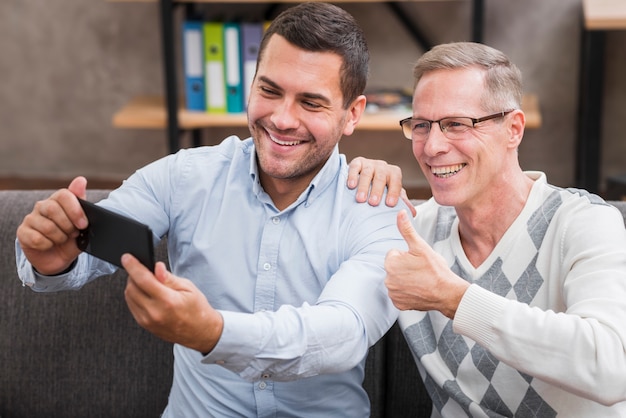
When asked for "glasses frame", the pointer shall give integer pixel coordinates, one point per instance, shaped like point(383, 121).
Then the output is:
point(500, 114)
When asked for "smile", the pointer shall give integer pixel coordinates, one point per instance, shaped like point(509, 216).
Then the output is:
point(284, 143)
point(445, 172)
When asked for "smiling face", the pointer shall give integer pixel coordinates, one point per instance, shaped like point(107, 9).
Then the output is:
point(463, 172)
point(296, 114)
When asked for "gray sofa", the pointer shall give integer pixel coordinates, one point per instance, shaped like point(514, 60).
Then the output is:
point(81, 354)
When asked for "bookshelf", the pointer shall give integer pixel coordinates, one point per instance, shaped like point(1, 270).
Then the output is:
point(148, 112)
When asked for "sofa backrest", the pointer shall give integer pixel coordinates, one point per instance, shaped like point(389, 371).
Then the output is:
point(73, 354)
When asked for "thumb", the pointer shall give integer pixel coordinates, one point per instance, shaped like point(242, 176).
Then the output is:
point(405, 226)
point(163, 275)
point(78, 187)
point(169, 279)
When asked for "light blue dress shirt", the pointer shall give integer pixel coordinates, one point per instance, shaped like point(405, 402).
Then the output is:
point(301, 290)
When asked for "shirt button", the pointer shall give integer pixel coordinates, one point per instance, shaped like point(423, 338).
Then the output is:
point(276, 220)
point(262, 385)
point(267, 266)
point(266, 376)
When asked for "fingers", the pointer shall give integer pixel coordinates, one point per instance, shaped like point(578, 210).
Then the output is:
point(171, 307)
point(393, 181)
point(52, 222)
point(151, 285)
point(354, 169)
point(161, 272)
point(142, 290)
point(41, 233)
point(140, 276)
point(365, 179)
point(63, 208)
point(405, 226)
point(78, 187)
point(47, 234)
point(371, 177)
point(380, 179)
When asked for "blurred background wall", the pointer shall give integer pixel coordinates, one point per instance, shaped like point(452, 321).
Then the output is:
point(66, 66)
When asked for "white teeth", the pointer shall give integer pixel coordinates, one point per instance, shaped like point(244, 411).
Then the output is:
point(285, 143)
point(443, 172)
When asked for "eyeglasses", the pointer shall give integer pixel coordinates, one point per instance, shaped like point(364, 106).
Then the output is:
point(452, 127)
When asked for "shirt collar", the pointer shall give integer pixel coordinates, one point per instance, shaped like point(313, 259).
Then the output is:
point(320, 182)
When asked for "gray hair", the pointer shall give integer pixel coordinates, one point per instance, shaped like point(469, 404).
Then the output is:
point(503, 80)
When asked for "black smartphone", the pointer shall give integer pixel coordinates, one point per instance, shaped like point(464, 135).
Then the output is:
point(110, 235)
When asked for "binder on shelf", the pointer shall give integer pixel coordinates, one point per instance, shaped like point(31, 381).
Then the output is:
point(193, 65)
point(251, 34)
point(232, 68)
point(214, 67)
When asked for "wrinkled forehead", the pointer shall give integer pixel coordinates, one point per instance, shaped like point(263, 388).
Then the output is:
point(449, 92)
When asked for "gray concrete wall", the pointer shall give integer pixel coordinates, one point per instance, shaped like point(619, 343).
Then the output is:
point(66, 66)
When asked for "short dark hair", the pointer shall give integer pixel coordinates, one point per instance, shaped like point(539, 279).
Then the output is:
point(323, 27)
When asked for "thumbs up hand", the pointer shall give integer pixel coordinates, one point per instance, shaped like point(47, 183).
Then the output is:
point(420, 279)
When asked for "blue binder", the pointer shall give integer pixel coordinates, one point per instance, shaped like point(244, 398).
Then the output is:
point(193, 63)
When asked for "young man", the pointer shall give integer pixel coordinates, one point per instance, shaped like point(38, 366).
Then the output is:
point(513, 290)
point(277, 284)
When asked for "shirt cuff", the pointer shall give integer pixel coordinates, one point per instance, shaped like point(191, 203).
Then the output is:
point(32, 278)
point(477, 314)
point(239, 342)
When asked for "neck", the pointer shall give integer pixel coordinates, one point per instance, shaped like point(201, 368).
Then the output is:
point(284, 192)
point(483, 223)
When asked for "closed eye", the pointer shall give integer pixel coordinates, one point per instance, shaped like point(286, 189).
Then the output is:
point(269, 91)
point(311, 105)
point(315, 101)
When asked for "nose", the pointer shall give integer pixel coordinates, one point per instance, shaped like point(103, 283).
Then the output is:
point(285, 115)
point(436, 143)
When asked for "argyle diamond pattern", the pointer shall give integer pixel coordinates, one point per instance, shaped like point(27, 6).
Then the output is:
point(465, 358)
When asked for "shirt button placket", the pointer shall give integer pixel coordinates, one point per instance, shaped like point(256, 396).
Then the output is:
point(264, 394)
point(268, 259)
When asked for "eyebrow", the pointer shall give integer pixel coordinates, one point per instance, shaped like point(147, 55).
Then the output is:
point(307, 95)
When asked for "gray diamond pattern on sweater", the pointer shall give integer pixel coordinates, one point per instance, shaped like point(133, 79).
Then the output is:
point(454, 348)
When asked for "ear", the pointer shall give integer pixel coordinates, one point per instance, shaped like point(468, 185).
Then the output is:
point(355, 111)
point(516, 128)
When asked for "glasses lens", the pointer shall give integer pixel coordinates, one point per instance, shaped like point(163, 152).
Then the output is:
point(415, 129)
point(455, 128)
point(406, 128)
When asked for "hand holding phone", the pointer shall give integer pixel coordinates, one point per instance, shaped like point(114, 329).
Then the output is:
point(110, 235)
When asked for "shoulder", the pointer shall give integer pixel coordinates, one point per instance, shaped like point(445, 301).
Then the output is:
point(580, 204)
point(205, 161)
point(555, 198)
point(581, 220)
point(230, 148)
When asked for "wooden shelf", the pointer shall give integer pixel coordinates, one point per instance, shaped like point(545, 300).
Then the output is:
point(148, 112)
point(604, 14)
point(530, 106)
point(153, 113)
